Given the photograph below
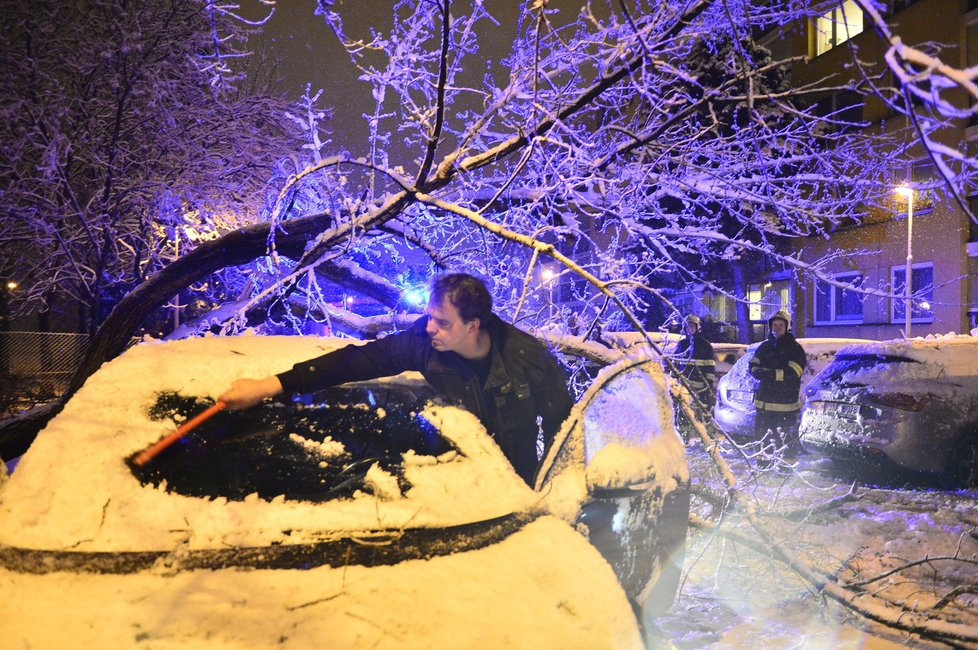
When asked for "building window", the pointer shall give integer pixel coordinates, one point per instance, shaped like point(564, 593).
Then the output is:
point(838, 25)
point(765, 299)
point(923, 172)
point(835, 304)
point(922, 288)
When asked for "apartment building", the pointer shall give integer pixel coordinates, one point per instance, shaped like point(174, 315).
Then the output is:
point(927, 228)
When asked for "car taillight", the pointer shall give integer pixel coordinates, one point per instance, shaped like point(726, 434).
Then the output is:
point(902, 401)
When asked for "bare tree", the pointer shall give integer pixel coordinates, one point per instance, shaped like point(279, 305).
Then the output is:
point(127, 139)
point(606, 158)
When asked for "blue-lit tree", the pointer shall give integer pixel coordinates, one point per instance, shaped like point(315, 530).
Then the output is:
point(129, 135)
point(600, 155)
point(596, 157)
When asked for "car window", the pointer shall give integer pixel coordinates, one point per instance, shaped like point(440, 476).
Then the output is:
point(630, 410)
point(859, 370)
point(315, 449)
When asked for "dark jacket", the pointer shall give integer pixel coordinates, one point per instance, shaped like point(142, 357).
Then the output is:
point(524, 382)
point(694, 359)
point(778, 363)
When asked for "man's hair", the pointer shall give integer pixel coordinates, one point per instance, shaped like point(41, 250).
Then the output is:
point(468, 293)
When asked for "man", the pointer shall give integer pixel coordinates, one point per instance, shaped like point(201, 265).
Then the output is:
point(778, 364)
point(499, 373)
point(694, 359)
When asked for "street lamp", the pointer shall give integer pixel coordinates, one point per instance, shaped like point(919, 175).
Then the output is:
point(908, 193)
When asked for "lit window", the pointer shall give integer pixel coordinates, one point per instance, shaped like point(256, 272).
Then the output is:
point(922, 288)
point(922, 173)
point(765, 299)
point(837, 305)
point(837, 26)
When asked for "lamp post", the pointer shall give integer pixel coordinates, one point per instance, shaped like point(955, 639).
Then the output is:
point(908, 193)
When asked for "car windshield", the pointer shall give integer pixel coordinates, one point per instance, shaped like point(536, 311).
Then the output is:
point(849, 370)
point(315, 449)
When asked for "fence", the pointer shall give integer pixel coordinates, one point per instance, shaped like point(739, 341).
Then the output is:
point(35, 367)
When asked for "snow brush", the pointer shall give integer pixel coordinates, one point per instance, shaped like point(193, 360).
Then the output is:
point(153, 450)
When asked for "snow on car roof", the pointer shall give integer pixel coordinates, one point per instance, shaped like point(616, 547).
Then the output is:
point(944, 349)
point(73, 488)
point(940, 357)
point(816, 346)
point(73, 491)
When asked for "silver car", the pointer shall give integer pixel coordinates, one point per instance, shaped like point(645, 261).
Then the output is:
point(912, 403)
point(734, 410)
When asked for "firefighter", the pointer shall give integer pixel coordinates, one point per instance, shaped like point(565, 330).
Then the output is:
point(778, 364)
point(694, 360)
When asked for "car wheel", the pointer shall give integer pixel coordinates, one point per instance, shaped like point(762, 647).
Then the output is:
point(674, 525)
point(963, 462)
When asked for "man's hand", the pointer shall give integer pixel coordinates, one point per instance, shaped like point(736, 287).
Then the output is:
point(248, 392)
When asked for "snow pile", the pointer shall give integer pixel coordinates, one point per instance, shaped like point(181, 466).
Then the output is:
point(736, 596)
point(328, 448)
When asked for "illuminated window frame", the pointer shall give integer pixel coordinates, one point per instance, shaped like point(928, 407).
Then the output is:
point(837, 25)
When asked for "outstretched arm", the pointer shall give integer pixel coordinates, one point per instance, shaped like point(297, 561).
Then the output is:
point(248, 392)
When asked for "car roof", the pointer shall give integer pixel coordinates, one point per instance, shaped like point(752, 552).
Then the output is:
point(949, 350)
point(814, 346)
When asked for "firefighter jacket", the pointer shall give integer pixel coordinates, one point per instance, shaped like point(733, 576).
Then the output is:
point(778, 364)
point(694, 359)
point(524, 382)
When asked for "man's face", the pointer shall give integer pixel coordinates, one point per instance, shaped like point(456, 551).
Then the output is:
point(447, 330)
point(692, 328)
point(778, 328)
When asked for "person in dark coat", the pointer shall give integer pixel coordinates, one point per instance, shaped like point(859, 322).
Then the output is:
point(778, 364)
point(694, 359)
point(504, 376)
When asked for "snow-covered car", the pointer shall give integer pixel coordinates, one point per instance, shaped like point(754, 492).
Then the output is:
point(364, 516)
point(913, 403)
point(734, 410)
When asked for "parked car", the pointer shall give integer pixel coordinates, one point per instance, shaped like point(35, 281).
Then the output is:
point(734, 410)
point(364, 516)
point(912, 403)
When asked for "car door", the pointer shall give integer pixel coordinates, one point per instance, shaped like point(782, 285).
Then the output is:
point(619, 459)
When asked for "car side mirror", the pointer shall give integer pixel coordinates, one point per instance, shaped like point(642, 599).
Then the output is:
point(619, 471)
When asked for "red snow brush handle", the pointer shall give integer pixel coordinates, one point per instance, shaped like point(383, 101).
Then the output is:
point(153, 450)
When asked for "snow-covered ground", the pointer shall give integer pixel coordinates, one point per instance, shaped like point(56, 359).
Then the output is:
point(733, 597)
